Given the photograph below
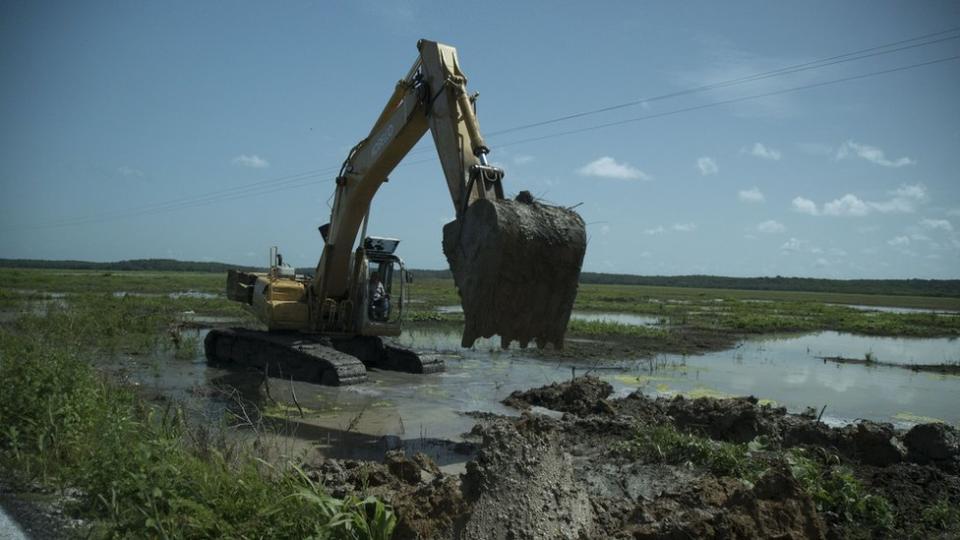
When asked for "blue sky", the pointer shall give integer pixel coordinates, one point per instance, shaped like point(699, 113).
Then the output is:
point(212, 130)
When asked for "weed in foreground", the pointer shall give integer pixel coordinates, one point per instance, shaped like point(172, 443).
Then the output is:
point(138, 471)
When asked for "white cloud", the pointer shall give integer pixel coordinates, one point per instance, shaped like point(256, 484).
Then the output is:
point(762, 151)
point(707, 166)
point(821, 262)
point(604, 229)
point(129, 171)
point(523, 159)
point(253, 161)
point(953, 212)
point(848, 205)
point(684, 227)
point(899, 241)
point(934, 224)
point(752, 195)
point(793, 245)
point(654, 231)
point(607, 167)
point(771, 227)
point(895, 205)
point(903, 201)
point(805, 206)
point(871, 154)
point(917, 192)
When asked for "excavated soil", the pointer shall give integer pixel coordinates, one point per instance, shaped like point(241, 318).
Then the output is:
point(516, 265)
point(544, 476)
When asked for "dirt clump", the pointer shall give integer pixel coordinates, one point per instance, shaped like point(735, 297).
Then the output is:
point(516, 266)
point(937, 443)
point(775, 507)
point(581, 396)
point(428, 503)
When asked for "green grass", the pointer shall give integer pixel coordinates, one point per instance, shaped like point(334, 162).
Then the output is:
point(744, 312)
point(832, 487)
point(665, 444)
point(138, 471)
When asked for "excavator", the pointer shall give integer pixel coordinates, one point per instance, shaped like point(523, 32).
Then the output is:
point(515, 262)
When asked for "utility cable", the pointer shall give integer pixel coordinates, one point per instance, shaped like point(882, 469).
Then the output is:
point(730, 101)
point(296, 180)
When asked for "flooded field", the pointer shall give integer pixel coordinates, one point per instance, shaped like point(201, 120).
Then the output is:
point(431, 413)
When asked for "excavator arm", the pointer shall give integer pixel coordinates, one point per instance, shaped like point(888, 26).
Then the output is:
point(432, 96)
point(516, 264)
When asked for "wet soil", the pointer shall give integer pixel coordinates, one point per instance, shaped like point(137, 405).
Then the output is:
point(561, 476)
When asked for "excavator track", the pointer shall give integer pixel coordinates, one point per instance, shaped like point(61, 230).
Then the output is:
point(320, 360)
point(289, 355)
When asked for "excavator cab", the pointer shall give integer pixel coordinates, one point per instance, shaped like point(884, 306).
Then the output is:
point(384, 290)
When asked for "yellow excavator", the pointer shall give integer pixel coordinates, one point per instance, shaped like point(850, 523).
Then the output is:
point(515, 262)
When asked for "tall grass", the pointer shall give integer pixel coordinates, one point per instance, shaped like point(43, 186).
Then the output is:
point(141, 471)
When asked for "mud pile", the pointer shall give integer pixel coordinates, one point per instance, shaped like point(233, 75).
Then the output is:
point(542, 476)
point(516, 265)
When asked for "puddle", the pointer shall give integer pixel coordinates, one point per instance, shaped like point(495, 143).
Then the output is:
point(598, 316)
point(430, 413)
point(788, 372)
point(173, 295)
point(618, 318)
point(889, 309)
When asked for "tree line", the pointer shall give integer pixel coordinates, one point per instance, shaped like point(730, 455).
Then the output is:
point(909, 287)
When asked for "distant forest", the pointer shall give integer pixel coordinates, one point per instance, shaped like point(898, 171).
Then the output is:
point(908, 287)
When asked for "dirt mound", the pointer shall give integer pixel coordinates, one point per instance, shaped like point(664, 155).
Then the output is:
point(428, 503)
point(516, 265)
point(579, 475)
point(938, 444)
point(582, 396)
point(775, 507)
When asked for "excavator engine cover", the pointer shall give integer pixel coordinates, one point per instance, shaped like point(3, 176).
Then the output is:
point(516, 265)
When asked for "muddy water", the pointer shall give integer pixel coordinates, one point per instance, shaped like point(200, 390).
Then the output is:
point(429, 413)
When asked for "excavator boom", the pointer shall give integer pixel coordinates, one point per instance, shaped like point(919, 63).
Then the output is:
point(516, 263)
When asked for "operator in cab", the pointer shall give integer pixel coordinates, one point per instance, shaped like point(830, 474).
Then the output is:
point(379, 299)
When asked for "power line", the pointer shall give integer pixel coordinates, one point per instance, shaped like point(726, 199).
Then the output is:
point(796, 68)
point(730, 101)
point(294, 181)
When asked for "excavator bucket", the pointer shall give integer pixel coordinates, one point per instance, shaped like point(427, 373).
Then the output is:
point(516, 265)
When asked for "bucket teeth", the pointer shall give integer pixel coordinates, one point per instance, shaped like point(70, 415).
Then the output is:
point(516, 266)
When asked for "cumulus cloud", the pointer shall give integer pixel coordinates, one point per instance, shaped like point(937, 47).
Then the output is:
point(771, 227)
point(871, 154)
point(848, 205)
point(762, 151)
point(752, 195)
point(707, 166)
point(903, 200)
point(934, 224)
point(805, 206)
point(899, 241)
point(607, 167)
point(677, 227)
point(917, 192)
point(793, 245)
point(253, 161)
